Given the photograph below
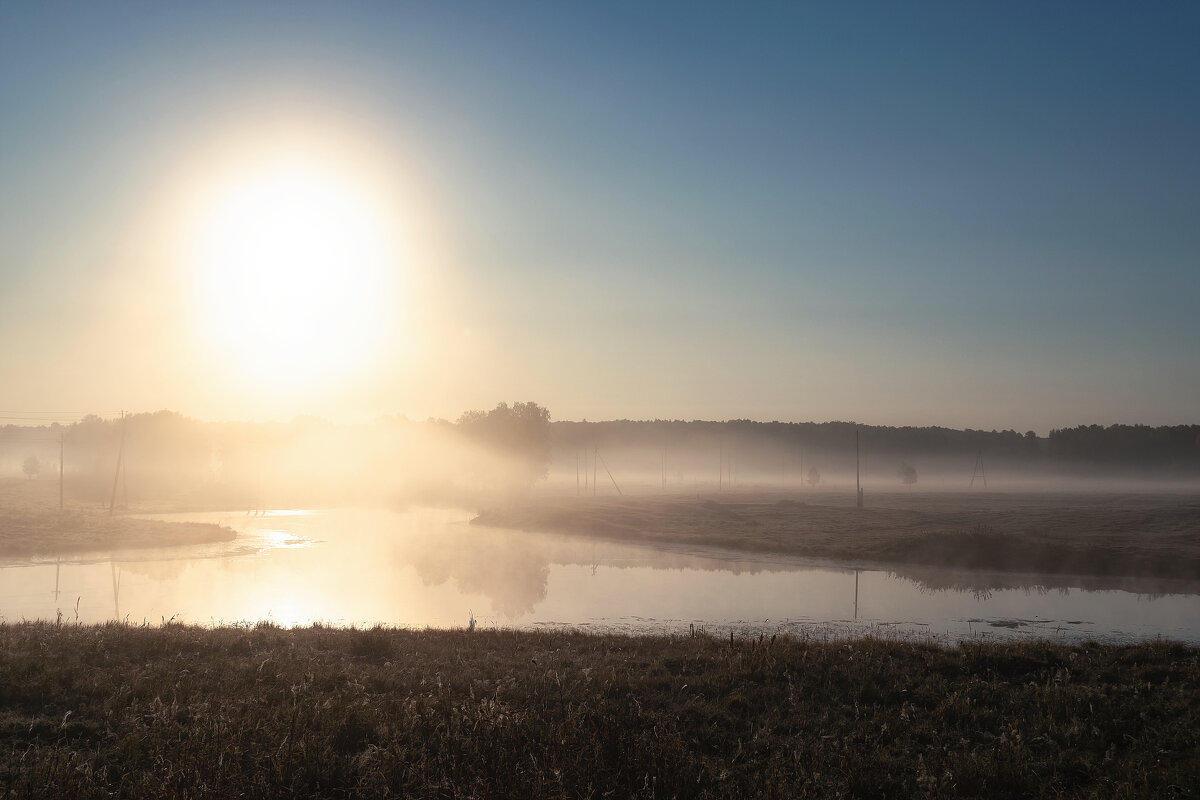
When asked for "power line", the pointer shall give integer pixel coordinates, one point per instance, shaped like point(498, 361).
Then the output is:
point(47, 411)
point(50, 416)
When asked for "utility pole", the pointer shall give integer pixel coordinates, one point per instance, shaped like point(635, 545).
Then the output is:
point(610, 475)
point(857, 471)
point(60, 469)
point(112, 501)
point(979, 470)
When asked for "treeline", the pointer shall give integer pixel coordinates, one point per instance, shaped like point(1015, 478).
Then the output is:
point(1175, 445)
point(678, 453)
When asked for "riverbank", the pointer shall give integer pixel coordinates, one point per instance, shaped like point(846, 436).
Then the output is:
point(47, 533)
point(31, 524)
point(1103, 535)
point(172, 711)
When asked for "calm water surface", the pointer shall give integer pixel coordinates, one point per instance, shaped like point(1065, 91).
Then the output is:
point(430, 568)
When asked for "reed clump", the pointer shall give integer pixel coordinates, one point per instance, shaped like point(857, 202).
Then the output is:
point(174, 711)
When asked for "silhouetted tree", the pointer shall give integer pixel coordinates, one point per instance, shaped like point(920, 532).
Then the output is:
point(814, 476)
point(520, 433)
point(908, 474)
point(32, 466)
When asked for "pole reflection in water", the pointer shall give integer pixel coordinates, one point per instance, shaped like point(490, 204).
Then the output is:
point(116, 589)
point(856, 595)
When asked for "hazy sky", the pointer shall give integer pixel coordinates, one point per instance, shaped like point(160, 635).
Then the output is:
point(965, 214)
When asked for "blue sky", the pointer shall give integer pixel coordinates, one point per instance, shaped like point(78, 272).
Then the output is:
point(958, 214)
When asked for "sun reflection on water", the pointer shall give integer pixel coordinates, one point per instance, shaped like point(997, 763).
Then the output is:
point(278, 538)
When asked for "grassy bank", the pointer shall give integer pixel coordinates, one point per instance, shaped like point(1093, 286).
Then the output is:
point(178, 711)
point(1097, 535)
point(31, 524)
point(44, 533)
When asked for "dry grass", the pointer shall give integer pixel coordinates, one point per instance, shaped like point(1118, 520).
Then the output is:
point(177, 711)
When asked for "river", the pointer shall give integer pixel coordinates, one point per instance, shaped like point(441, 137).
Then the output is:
point(427, 567)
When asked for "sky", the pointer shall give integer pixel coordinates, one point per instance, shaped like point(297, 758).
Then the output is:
point(959, 214)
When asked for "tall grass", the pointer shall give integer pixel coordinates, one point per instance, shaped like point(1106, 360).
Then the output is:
point(114, 710)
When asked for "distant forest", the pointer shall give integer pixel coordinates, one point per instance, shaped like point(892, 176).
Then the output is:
point(750, 452)
point(1175, 446)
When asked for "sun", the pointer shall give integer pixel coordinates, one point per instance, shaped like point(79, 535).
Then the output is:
point(293, 271)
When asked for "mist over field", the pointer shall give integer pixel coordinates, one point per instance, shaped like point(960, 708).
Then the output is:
point(166, 459)
point(509, 453)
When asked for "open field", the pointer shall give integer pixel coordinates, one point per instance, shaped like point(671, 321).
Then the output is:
point(31, 524)
point(1153, 536)
point(177, 711)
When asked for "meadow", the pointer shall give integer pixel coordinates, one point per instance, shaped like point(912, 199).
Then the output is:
point(175, 711)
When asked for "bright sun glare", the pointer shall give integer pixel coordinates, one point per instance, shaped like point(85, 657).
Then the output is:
point(293, 268)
